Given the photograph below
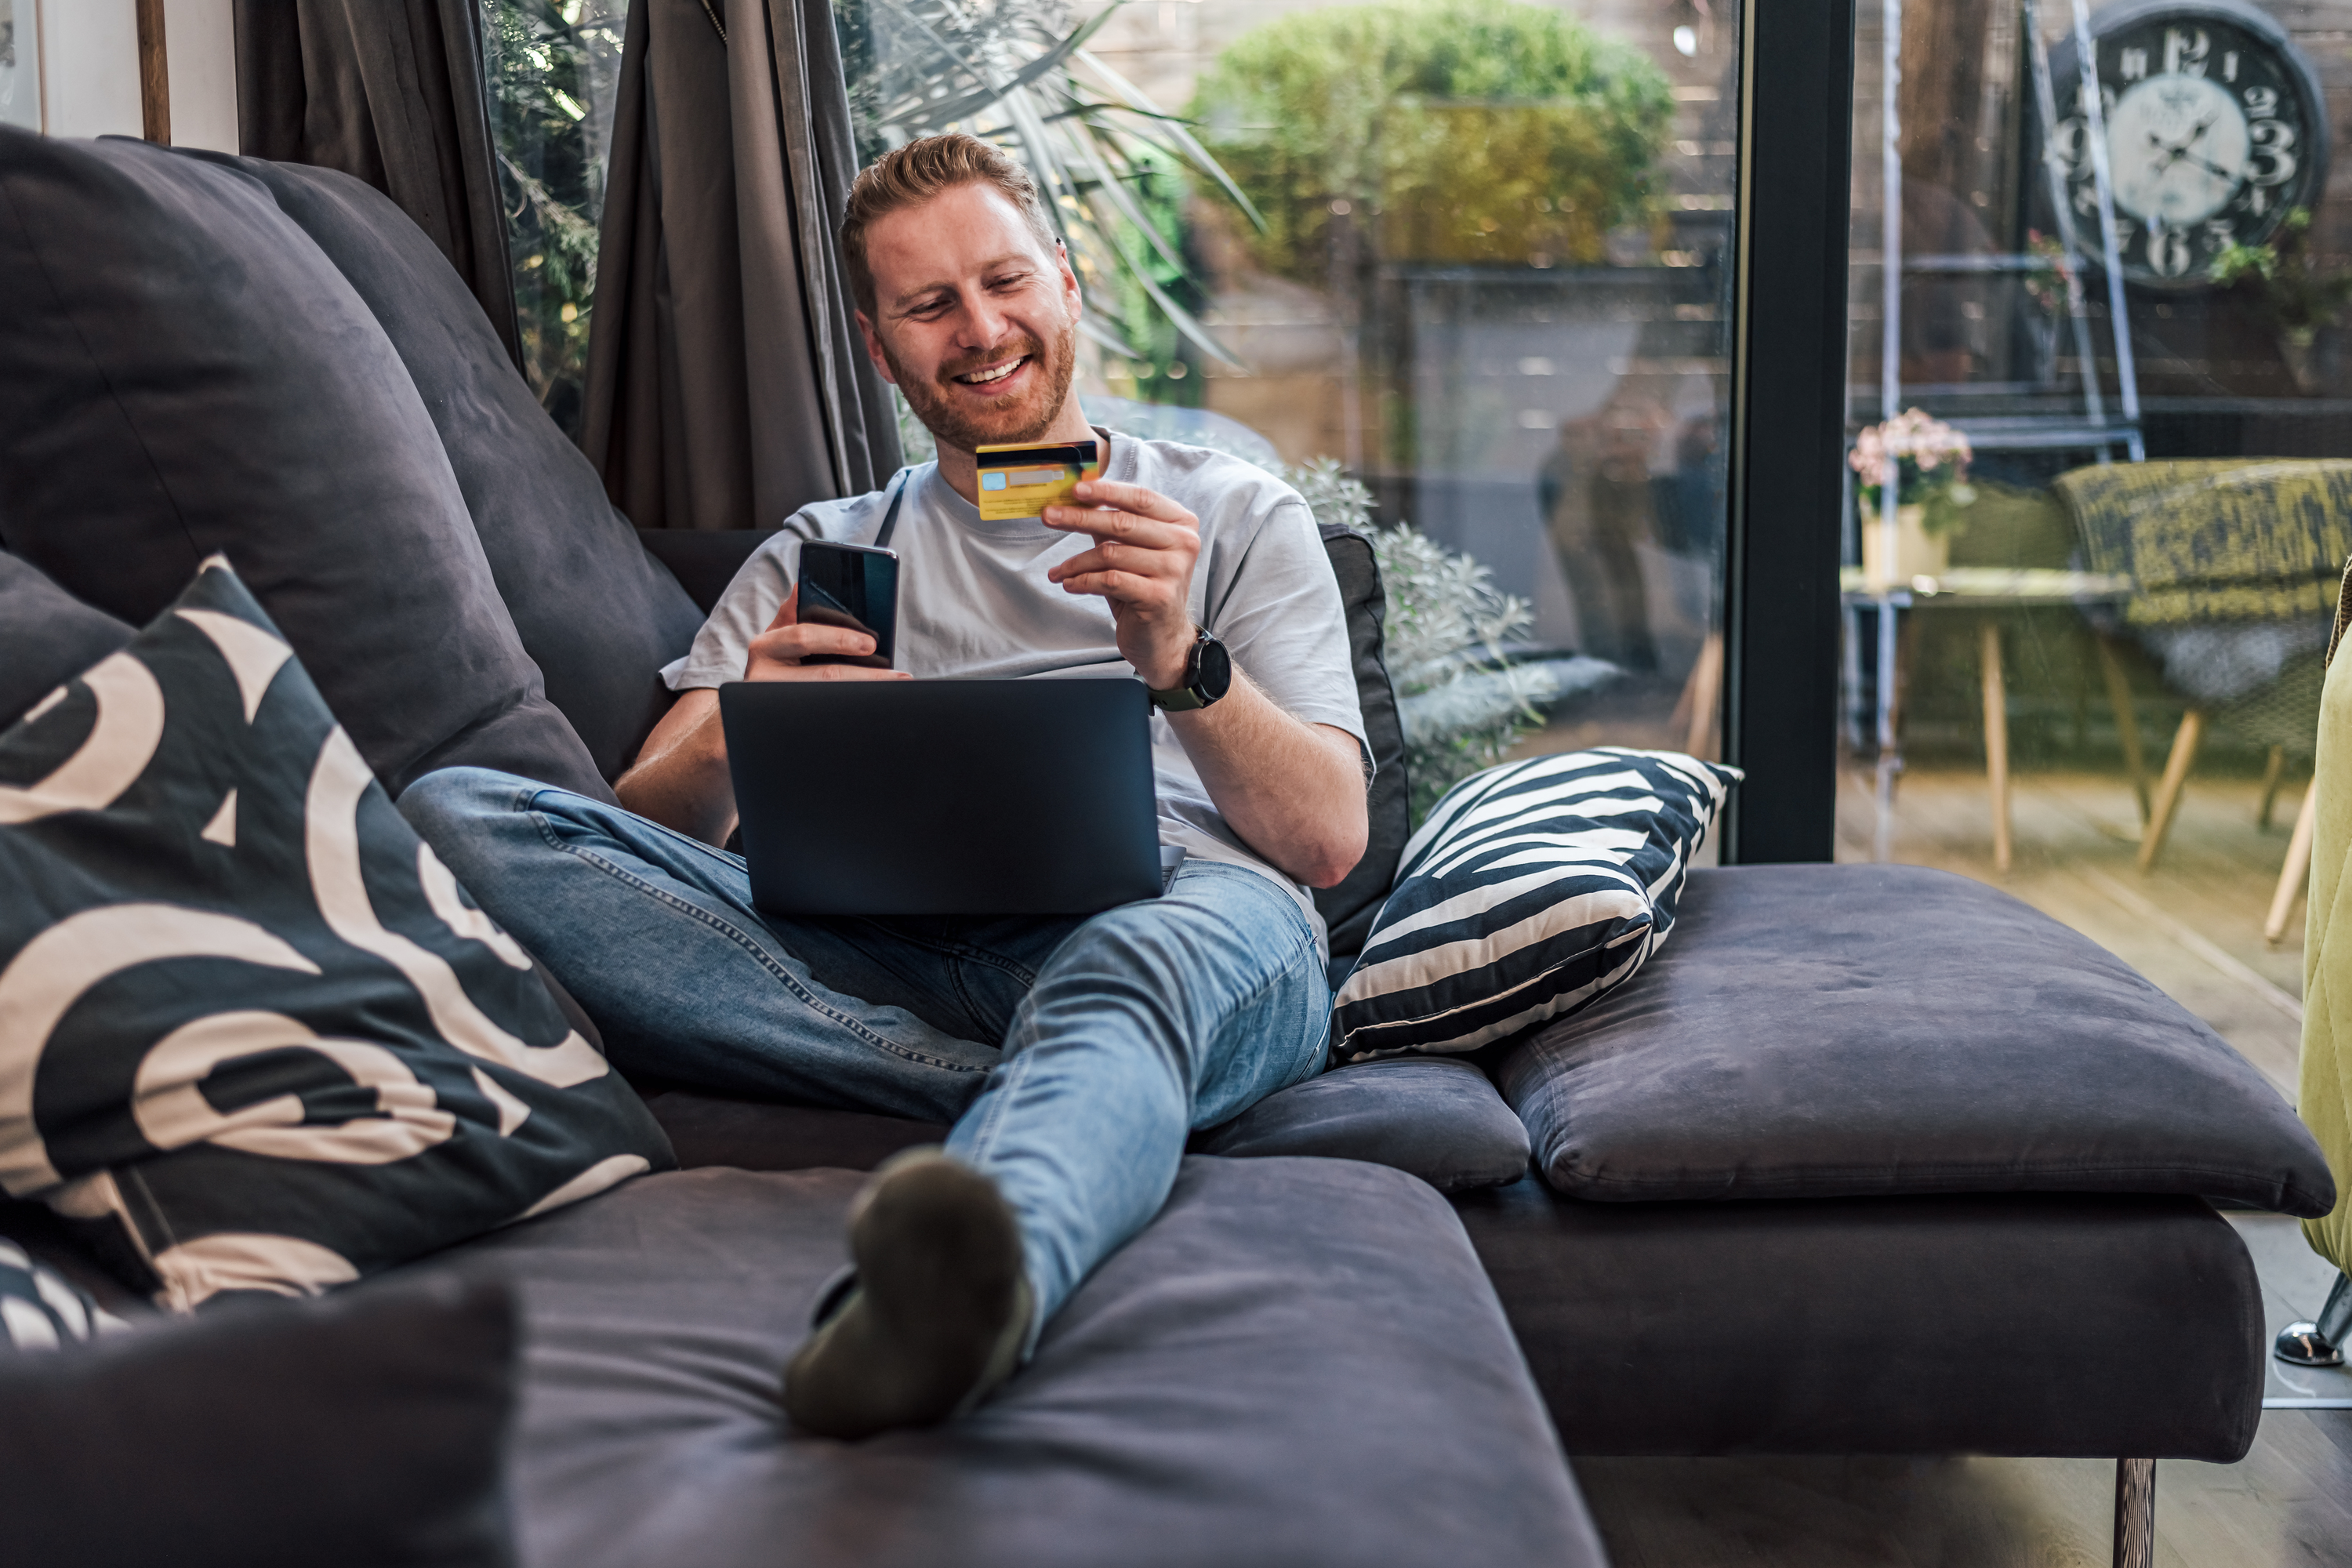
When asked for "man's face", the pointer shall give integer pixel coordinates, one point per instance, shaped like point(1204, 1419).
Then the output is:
point(974, 319)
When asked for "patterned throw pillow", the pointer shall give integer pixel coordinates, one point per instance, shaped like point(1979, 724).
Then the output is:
point(252, 1032)
point(41, 1309)
point(1533, 889)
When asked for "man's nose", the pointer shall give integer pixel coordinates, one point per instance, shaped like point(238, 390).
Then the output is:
point(983, 324)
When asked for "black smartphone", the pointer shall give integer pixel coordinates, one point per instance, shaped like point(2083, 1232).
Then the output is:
point(854, 587)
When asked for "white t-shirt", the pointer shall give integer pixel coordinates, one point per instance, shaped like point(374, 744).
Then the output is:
point(973, 603)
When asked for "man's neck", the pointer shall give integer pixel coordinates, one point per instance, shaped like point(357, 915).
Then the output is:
point(961, 470)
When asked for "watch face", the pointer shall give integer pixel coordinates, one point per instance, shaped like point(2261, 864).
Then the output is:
point(1213, 668)
point(2214, 133)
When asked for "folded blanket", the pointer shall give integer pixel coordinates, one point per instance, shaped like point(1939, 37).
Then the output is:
point(2218, 540)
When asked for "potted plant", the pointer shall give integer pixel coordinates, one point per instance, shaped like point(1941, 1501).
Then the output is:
point(2296, 297)
point(1914, 472)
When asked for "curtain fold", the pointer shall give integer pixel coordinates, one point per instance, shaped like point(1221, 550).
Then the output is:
point(391, 93)
point(727, 386)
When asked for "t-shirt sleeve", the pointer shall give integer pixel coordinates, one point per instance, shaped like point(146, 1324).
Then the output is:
point(1282, 619)
point(743, 612)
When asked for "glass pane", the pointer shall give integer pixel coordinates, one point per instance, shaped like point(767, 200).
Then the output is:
point(550, 67)
point(2099, 249)
point(1454, 264)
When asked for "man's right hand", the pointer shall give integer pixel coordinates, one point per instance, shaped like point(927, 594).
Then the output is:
point(780, 653)
point(680, 779)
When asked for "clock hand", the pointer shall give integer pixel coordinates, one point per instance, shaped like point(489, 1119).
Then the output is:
point(2210, 166)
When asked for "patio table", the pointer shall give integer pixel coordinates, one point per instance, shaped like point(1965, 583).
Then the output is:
point(1987, 591)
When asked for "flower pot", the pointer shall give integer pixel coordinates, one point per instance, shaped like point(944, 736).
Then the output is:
point(1895, 551)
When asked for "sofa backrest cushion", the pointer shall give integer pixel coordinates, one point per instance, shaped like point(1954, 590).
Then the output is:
point(1866, 1031)
point(183, 371)
point(47, 637)
point(595, 612)
point(1347, 909)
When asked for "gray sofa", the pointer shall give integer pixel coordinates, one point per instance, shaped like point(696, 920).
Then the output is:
point(1867, 1159)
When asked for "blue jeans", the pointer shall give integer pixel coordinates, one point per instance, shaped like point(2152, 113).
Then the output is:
point(1072, 1055)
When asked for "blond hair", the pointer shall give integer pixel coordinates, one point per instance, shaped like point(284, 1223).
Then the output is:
point(909, 175)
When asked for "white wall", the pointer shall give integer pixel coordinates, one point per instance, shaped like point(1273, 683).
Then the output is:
point(90, 70)
point(200, 42)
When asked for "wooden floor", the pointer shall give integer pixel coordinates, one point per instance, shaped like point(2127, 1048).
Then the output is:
point(2194, 927)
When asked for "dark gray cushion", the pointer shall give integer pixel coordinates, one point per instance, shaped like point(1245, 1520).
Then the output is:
point(597, 615)
point(1349, 908)
point(2024, 1323)
point(766, 1135)
point(46, 637)
point(1298, 1364)
point(1439, 1120)
point(184, 372)
point(366, 1430)
point(1823, 1030)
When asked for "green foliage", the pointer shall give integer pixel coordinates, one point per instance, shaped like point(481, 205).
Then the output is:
point(1472, 131)
point(1462, 704)
point(2297, 297)
point(550, 66)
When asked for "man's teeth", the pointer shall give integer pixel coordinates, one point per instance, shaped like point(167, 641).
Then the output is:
point(998, 373)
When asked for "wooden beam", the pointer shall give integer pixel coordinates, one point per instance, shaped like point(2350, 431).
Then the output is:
point(154, 75)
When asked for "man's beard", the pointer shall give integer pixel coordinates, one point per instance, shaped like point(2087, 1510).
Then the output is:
point(1012, 423)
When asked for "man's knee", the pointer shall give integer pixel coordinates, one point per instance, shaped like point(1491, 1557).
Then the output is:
point(443, 804)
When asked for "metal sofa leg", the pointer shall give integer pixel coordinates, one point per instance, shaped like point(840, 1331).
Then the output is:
point(2320, 1343)
point(2135, 1513)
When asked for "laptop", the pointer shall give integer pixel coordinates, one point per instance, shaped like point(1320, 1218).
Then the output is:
point(945, 797)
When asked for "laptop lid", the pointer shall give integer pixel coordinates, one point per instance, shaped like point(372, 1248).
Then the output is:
point(944, 796)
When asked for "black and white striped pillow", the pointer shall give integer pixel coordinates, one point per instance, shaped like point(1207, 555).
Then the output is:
point(1533, 890)
point(40, 1310)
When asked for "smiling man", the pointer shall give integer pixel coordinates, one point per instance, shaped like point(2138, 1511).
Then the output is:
point(1071, 1055)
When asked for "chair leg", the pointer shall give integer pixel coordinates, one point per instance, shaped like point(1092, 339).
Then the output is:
point(1996, 723)
point(2297, 867)
point(2135, 1513)
point(2273, 772)
point(2119, 698)
point(2320, 1343)
point(2185, 741)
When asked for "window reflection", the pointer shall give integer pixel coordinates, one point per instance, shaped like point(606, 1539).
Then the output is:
point(2100, 245)
point(1473, 254)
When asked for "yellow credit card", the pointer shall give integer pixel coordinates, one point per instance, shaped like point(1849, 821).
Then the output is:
point(1023, 482)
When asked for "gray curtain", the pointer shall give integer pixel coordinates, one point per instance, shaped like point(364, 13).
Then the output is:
point(389, 91)
point(727, 386)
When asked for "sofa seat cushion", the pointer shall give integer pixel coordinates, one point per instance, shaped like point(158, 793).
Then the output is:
point(183, 371)
point(2024, 1323)
point(1298, 1364)
point(1441, 1120)
point(1825, 1030)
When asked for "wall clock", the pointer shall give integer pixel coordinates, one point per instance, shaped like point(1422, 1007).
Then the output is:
point(2216, 129)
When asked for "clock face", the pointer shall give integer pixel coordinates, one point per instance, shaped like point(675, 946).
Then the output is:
point(2214, 132)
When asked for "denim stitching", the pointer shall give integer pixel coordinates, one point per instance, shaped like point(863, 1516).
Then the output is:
point(736, 934)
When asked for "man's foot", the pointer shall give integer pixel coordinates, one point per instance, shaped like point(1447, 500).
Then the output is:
point(938, 1312)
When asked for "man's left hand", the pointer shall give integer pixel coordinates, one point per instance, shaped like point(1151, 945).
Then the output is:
point(1145, 545)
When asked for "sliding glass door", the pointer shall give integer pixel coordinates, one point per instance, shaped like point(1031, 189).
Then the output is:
point(2099, 408)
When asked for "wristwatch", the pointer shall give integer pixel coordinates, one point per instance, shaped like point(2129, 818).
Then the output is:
point(1208, 676)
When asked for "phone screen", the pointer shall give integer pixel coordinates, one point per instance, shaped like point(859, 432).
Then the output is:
point(854, 587)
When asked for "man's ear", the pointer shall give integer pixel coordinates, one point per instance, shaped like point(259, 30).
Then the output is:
point(874, 348)
point(1069, 280)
